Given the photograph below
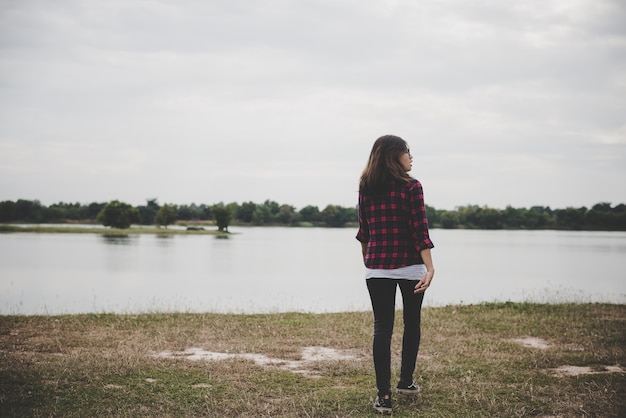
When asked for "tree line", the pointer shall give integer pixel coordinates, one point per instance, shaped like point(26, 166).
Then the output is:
point(122, 215)
point(602, 216)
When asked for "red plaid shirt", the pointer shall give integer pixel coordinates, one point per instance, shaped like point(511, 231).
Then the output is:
point(394, 226)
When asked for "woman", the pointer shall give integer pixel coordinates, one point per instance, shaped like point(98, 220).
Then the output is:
point(393, 231)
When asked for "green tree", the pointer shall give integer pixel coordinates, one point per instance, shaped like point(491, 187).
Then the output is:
point(620, 218)
point(272, 206)
point(265, 214)
point(570, 218)
point(223, 216)
point(351, 214)
point(337, 216)
point(166, 215)
point(246, 212)
point(602, 217)
point(310, 214)
point(287, 215)
point(513, 218)
point(468, 216)
point(148, 212)
point(233, 207)
point(118, 214)
point(184, 212)
point(7, 211)
point(27, 210)
point(56, 213)
point(448, 219)
point(64, 211)
point(489, 218)
point(192, 212)
point(537, 217)
point(93, 209)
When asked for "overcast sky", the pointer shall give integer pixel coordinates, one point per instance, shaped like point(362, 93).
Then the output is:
point(502, 103)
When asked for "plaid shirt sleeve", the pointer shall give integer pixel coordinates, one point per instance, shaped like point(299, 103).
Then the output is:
point(394, 227)
point(419, 220)
point(363, 235)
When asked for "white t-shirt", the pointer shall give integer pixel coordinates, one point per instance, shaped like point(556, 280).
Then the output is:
point(414, 272)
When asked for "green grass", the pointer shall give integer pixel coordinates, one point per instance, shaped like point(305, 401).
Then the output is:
point(103, 364)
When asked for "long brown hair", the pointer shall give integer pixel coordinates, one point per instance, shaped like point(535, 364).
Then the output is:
point(383, 166)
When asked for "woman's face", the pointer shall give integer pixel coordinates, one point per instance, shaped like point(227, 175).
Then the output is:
point(406, 160)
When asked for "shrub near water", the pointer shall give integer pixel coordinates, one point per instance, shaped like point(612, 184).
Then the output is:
point(470, 364)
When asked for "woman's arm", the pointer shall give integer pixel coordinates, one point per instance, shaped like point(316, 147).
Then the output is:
point(418, 218)
point(423, 284)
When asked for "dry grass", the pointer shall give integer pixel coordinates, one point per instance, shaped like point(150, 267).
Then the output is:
point(470, 364)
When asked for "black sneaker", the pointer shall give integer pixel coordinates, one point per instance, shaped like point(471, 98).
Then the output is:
point(408, 389)
point(383, 405)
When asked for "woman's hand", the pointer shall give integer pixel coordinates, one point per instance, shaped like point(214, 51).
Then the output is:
point(424, 283)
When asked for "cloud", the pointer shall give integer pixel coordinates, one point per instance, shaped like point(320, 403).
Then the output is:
point(197, 101)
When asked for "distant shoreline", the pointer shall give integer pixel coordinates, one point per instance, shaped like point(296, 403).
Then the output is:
point(602, 216)
point(108, 231)
point(203, 228)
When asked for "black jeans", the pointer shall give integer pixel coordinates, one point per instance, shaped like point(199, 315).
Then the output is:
point(383, 296)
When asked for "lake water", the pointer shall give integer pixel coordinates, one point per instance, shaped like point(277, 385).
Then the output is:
point(266, 269)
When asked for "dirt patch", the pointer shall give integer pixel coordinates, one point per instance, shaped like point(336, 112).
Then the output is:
point(309, 355)
point(202, 385)
point(566, 371)
point(532, 342)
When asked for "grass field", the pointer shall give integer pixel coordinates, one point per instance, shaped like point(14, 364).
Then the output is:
point(489, 360)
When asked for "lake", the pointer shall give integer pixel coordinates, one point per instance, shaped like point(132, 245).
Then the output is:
point(276, 269)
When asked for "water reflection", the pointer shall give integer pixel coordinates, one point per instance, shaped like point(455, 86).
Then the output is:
point(164, 236)
point(116, 239)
